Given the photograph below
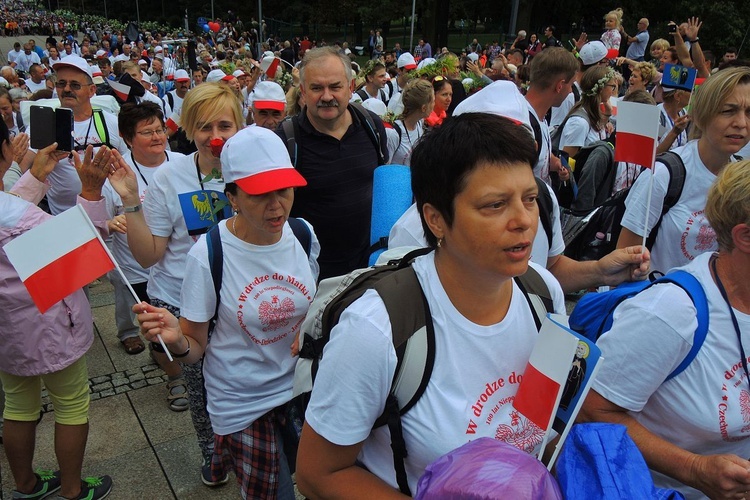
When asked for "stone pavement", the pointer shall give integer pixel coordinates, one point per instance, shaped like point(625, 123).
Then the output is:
point(149, 450)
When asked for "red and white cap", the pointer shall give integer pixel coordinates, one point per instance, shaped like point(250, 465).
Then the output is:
point(72, 61)
point(268, 95)
point(238, 73)
point(406, 61)
point(217, 75)
point(96, 75)
point(257, 160)
point(101, 54)
point(181, 76)
point(499, 98)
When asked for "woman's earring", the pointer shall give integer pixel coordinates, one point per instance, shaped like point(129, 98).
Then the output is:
point(440, 242)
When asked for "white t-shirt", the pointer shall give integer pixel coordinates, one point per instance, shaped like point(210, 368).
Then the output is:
point(706, 408)
point(408, 231)
point(64, 182)
point(559, 113)
point(578, 133)
point(666, 124)
point(396, 105)
point(541, 169)
point(470, 393)
point(265, 294)
point(400, 152)
point(684, 231)
point(177, 102)
point(161, 207)
point(120, 249)
point(33, 87)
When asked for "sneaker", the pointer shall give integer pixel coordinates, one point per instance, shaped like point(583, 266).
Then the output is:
point(47, 483)
point(92, 488)
point(206, 474)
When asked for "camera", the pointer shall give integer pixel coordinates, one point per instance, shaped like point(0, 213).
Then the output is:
point(671, 28)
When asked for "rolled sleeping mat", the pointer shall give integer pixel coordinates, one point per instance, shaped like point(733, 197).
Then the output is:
point(391, 196)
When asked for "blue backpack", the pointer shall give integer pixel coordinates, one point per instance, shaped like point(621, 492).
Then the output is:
point(592, 315)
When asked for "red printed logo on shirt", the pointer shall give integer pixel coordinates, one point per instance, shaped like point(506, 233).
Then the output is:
point(521, 433)
point(275, 314)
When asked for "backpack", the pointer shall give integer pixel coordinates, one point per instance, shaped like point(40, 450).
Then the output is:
point(557, 133)
point(591, 234)
point(592, 316)
point(216, 257)
point(290, 126)
point(412, 330)
point(362, 93)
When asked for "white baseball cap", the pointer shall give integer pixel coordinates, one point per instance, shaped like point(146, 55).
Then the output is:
point(425, 62)
point(217, 75)
point(375, 105)
point(238, 73)
point(592, 52)
point(257, 160)
point(499, 98)
point(181, 75)
point(72, 61)
point(268, 95)
point(406, 61)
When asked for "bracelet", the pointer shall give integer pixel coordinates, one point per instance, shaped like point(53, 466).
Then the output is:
point(184, 353)
point(130, 210)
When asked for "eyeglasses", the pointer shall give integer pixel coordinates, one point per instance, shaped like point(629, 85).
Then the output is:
point(148, 134)
point(612, 86)
point(60, 84)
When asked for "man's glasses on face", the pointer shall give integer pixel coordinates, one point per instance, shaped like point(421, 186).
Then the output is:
point(61, 84)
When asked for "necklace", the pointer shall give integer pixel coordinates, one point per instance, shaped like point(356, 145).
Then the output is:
point(234, 227)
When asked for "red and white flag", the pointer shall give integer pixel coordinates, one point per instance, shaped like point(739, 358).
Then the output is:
point(122, 90)
point(59, 256)
point(269, 65)
point(544, 378)
point(637, 133)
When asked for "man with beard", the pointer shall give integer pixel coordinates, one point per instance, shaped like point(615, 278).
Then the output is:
point(336, 146)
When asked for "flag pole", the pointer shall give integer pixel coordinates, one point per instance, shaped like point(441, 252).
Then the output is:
point(122, 275)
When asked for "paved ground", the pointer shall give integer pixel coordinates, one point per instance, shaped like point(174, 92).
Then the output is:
point(149, 450)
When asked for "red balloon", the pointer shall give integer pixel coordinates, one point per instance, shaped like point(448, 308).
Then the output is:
point(214, 27)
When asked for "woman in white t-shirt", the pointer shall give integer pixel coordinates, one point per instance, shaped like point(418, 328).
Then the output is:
point(719, 130)
point(418, 99)
point(694, 429)
point(142, 128)
point(268, 282)
point(586, 123)
point(175, 211)
point(477, 199)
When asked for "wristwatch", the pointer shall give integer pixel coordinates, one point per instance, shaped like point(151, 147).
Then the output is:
point(129, 210)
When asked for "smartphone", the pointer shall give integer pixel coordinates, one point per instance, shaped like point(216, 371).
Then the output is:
point(671, 28)
point(50, 125)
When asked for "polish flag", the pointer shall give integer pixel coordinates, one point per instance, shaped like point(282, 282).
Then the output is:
point(544, 378)
point(637, 133)
point(59, 256)
point(269, 65)
point(122, 90)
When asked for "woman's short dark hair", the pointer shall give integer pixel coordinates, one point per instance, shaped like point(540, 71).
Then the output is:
point(443, 159)
point(439, 82)
point(132, 114)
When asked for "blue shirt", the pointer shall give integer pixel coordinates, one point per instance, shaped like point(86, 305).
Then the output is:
point(637, 49)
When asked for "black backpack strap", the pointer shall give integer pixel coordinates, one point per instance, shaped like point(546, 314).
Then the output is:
point(372, 130)
point(216, 264)
point(414, 339)
point(537, 294)
point(676, 168)
point(302, 233)
point(290, 127)
point(576, 93)
point(170, 98)
point(544, 202)
point(362, 94)
point(537, 133)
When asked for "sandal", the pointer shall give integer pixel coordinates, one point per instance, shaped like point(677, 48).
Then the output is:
point(177, 394)
point(133, 345)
